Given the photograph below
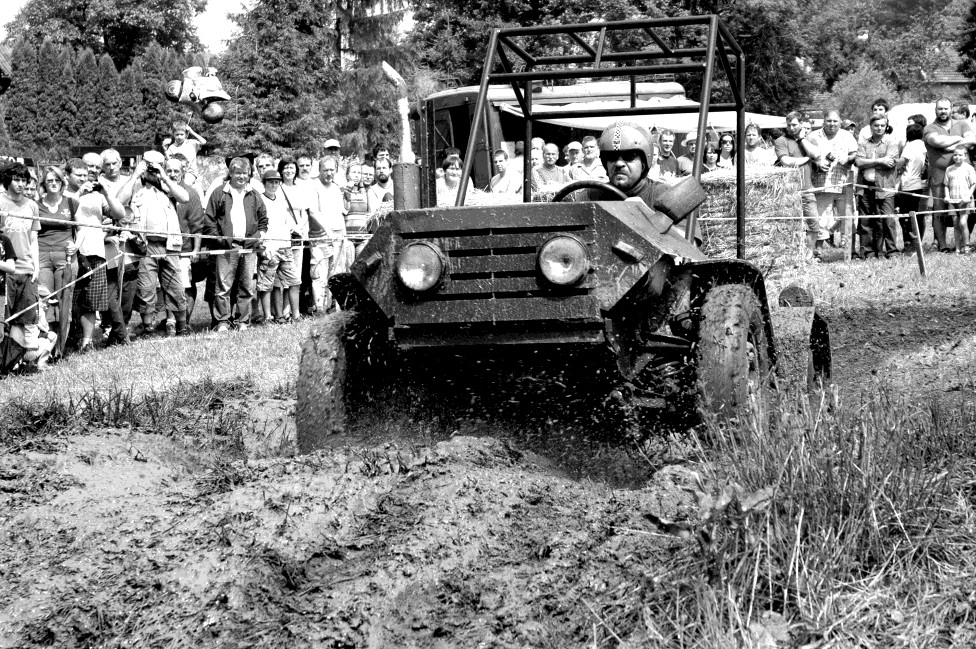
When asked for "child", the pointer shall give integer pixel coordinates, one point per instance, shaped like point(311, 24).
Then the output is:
point(188, 142)
point(356, 204)
point(960, 180)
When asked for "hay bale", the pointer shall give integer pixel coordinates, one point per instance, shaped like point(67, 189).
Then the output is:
point(772, 242)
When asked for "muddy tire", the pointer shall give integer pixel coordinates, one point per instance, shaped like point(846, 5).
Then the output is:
point(732, 353)
point(323, 370)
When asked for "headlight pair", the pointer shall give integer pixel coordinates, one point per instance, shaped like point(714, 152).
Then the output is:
point(563, 261)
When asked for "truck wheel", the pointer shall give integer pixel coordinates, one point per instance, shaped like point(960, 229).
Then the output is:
point(322, 406)
point(733, 362)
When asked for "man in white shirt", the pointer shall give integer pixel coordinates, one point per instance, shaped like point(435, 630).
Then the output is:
point(153, 197)
point(833, 151)
point(508, 180)
point(327, 233)
point(590, 168)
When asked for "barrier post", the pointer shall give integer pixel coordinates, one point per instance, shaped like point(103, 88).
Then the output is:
point(918, 243)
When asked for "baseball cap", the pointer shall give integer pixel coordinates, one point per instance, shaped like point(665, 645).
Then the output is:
point(330, 143)
point(154, 157)
point(270, 174)
point(574, 146)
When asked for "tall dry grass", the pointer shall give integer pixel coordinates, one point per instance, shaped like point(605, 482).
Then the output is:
point(843, 525)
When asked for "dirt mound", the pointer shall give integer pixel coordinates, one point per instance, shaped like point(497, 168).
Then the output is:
point(465, 543)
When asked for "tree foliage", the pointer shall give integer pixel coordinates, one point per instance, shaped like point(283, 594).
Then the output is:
point(123, 29)
point(854, 92)
point(967, 47)
point(303, 71)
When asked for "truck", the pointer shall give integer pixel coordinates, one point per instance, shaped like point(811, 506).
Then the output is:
point(616, 285)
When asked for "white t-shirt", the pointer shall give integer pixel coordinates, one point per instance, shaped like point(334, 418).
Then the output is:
point(302, 201)
point(92, 207)
point(238, 217)
point(279, 228)
point(911, 176)
point(189, 149)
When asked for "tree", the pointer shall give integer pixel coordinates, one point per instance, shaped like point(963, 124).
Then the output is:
point(775, 82)
point(854, 93)
point(300, 69)
point(90, 105)
point(129, 115)
point(23, 97)
point(158, 66)
point(967, 47)
point(122, 29)
point(451, 36)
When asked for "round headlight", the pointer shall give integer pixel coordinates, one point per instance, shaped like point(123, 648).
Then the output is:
point(563, 260)
point(420, 266)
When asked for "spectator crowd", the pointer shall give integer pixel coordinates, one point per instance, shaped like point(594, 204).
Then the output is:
point(84, 246)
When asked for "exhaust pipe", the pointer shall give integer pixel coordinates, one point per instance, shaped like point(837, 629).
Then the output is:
point(406, 173)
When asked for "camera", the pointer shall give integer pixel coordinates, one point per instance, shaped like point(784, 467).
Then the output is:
point(96, 186)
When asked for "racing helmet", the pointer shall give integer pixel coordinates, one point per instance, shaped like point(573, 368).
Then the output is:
point(623, 135)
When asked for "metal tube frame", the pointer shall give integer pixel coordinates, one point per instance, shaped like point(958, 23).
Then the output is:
point(719, 48)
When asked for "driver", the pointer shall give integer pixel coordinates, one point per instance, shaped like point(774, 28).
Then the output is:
point(627, 151)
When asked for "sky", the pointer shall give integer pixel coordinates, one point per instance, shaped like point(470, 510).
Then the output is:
point(213, 27)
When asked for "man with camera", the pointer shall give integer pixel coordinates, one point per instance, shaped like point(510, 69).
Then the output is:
point(153, 195)
point(95, 205)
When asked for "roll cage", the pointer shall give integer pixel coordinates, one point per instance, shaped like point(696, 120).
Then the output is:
point(630, 49)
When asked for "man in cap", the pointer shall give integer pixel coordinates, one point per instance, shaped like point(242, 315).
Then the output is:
point(590, 168)
point(331, 150)
point(235, 213)
point(153, 195)
point(574, 154)
point(276, 263)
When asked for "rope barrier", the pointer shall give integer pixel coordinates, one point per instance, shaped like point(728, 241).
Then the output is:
point(68, 285)
point(131, 230)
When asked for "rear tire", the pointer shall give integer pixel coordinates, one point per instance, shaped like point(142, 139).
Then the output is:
point(732, 354)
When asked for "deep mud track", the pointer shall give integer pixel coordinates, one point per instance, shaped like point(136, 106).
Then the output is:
point(110, 542)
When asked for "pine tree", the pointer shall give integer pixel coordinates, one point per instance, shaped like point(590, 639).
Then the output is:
point(23, 96)
point(967, 48)
point(159, 66)
point(89, 103)
point(66, 115)
point(278, 73)
point(104, 131)
point(129, 119)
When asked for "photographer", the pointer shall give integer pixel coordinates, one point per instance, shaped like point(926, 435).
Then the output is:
point(95, 203)
point(153, 201)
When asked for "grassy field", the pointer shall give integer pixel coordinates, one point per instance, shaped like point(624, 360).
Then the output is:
point(850, 523)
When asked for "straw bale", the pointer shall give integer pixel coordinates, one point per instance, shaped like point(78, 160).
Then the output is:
point(770, 192)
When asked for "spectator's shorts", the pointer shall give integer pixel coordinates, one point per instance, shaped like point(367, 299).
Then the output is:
point(277, 271)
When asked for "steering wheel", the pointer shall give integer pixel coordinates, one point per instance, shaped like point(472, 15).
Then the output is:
point(587, 184)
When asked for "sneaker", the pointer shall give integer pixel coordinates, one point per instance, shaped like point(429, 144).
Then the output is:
point(222, 327)
point(171, 330)
point(242, 326)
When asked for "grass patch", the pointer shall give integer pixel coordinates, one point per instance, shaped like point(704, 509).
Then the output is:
point(208, 409)
point(842, 526)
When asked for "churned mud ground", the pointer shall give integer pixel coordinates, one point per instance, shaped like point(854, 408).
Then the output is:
point(133, 518)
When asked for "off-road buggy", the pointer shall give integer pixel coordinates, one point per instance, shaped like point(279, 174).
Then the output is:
point(617, 281)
